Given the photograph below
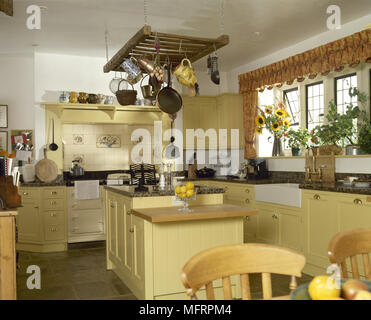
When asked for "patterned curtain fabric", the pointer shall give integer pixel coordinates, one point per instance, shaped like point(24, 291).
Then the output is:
point(250, 111)
point(332, 56)
point(321, 60)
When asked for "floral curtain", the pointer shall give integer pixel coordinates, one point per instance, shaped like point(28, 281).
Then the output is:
point(321, 60)
point(250, 111)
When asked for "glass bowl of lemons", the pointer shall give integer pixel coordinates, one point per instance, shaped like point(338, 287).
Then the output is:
point(185, 193)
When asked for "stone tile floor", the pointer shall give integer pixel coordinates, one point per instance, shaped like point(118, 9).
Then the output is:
point(81, 274)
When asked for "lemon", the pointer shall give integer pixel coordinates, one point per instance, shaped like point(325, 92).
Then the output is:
point(177, 189)
point(182, 195)
point(323, 288)
point(190, 186)
point(183, 189)
point(190, 193)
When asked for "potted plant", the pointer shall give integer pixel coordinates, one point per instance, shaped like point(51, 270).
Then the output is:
point(276, 120)
point(298, 139)
point(340, 128)
point(364, 138)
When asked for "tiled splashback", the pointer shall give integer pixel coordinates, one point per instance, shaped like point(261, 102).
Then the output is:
point(81, 141)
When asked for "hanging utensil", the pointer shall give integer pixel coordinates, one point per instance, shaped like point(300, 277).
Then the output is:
point(168, 99)
point(114, 83)
point(53, 146)
point(172, 151)
point(215, 76)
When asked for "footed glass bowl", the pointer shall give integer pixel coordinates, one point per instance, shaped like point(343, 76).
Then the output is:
point(185, 200)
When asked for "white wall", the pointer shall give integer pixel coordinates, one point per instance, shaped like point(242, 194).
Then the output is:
point(17, 91)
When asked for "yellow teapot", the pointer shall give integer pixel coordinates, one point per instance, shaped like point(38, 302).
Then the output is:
point(185, 73)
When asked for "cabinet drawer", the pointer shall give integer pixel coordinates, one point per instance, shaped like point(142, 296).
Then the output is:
point(29, 194)
point(86, 204)
point(53, 193)
point(54, 218)
point(53, 204)
point(54, 232)
point(238, 193)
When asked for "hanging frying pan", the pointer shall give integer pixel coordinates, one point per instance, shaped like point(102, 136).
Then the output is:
point(168, 99)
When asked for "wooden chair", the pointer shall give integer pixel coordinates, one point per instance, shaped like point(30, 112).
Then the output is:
point(350, 244)
point(225, 261)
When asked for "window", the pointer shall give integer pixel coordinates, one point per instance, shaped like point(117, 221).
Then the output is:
point(315, 104)
point(265, 140)
point(291, 97)
point(342, 86)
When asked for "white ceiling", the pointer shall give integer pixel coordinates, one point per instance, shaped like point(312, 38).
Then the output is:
point(78, 26)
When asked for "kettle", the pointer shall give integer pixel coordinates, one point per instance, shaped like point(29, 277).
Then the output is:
point(76, 170)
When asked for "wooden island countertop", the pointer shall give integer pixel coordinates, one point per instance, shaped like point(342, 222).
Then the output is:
point(8, 213)
point(204, 212)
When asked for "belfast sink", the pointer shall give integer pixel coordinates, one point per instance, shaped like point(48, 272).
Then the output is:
point(287, 194)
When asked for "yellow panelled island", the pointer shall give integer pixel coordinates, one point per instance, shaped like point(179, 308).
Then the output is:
point(149, 240)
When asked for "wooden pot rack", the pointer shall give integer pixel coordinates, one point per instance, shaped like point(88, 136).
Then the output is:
point(172, 46)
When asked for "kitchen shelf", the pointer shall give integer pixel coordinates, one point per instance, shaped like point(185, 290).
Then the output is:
point(172, 46)
point(110, 109)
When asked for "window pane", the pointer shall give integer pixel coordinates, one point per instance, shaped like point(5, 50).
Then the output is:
point(315, 104)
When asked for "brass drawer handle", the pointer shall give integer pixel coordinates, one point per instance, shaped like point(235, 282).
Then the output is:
point(316, 197)
point(53, 229)
point(247, 190)
point(53, 203)
point(226, 188)
point(128, 212)
point(247, 201)
point(54, 193)
point(247, 218)
point(53, 214)
point(275, 216)
point(36, 207)
point(112, 205)
point(25, 193)
point(357, 201)
point(131, 229)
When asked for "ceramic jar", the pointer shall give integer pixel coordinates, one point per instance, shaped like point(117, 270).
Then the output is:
point(63, 98)
point(93, 98)
point(133, 71)
point(109, 100)
point(73, 97)
point(82, 97)
point(101, 98)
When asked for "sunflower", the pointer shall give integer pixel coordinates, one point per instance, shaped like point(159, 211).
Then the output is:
point(275, 126)
point(280, 113)
point(286, 123)
point(259, 130)
point(260, 121)
point(269, 109)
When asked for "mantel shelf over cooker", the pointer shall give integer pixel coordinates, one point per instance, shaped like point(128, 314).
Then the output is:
point(172, 46)
point(110, 109)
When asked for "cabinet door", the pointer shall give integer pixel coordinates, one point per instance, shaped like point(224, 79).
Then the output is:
point(290, 229)
point(267, 224)
point(250, 228)
point(320, 225)
point(138, 250)
point(209, 120)
point(128, 237)
point(112, 227)
point(29, 222)
point(191, 119)
point(230, 115)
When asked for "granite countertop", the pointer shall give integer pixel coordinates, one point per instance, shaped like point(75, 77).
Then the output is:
point(129, 191)
point(246, 181)
point(334, 187)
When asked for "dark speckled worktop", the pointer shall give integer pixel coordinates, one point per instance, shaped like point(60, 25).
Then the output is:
point(129, 191)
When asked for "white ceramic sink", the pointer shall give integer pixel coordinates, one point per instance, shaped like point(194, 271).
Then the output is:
point(287, 194)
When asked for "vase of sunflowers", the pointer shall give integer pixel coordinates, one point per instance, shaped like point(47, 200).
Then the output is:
point(276, 120)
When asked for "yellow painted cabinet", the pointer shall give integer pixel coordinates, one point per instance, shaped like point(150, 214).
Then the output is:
point(267, 224)
point(290, 229)
point(230, 115)
point(321, 224)
point(137, 231)
point(250, 227)
point(112, 231)
point(213, 112)
point(28, 222)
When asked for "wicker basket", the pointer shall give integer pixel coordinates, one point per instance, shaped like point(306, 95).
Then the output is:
point(126, 97)
point(329, 149)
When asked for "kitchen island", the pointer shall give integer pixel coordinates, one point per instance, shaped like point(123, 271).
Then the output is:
point(149, 240)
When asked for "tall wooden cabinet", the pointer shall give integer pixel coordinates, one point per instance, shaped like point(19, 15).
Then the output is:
point(213, 112)
point(8, 289)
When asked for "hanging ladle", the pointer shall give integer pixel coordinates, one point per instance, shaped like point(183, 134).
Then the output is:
point(53, 146)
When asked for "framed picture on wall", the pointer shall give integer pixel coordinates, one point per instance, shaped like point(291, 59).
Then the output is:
point(3, 116)
point(3, 140)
